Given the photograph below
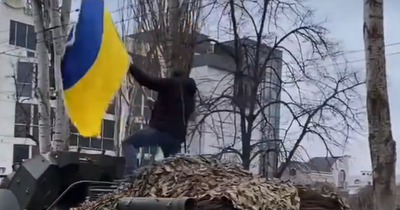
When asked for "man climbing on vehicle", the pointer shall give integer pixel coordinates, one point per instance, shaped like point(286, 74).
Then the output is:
point(167, 127)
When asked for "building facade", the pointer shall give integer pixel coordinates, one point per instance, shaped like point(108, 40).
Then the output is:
point(17, 47)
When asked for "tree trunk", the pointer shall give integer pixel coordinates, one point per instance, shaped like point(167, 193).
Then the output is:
point(65, 17)
point(59, 140)
point(130, 120)
point(117, 125)
point(42, 91)
point(381, 143)
point(173, 21)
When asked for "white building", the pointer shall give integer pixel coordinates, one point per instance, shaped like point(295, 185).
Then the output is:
point(213, 70)
point(214, 75)
point(17, 45)
point(333, 170)
point(18, 106)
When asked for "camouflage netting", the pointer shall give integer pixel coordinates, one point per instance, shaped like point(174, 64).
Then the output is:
point(226, 186)
point(216, 186)
point(320, 198)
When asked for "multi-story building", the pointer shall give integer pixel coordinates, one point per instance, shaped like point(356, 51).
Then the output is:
point(19, 117)
point(17, 47)
point(213, 69)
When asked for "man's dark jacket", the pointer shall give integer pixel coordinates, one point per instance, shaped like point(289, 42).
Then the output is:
point(170, 114)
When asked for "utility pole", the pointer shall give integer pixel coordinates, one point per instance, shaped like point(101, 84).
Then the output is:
point(59, 37)
point(381, 143)
point(42, 91)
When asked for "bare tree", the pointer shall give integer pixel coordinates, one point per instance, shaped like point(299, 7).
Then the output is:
point(164, 38)
point(381, 142)
point(171, 30)
point(59, 32)
point(42, 92)
point(318, 101)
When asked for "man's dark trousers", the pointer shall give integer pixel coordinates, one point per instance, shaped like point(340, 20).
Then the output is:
point(145, 138)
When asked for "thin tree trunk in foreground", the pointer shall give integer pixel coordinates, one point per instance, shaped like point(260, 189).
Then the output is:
point(381, 143)
point(61, 122)
point(42, 92)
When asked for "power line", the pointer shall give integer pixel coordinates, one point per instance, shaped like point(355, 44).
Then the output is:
point(142, 15)
point(75, 10)
point(346, 62)
point(122, 21)
point(137, 16)
point(131, 6)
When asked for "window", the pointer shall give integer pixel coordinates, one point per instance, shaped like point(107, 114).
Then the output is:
point(147, 111)
point(84, 141)
point(52, 117)
point(108, 129)
point(138, 97)
point(134, 128)
point(20, 153)
point(27, 120)
point(357, 181)
point(35, 123)
point(22, 120)
point(108, 134)
point(30, 54)
point(104, 142)
point(34, 151)
point(242, 91)
point(111, 108)
point(22, 35)
point(24, 79)
point(146, 115)
point(108, 144)
point(52, 78)
point(137, 111)
point(342, 178)
point(95, 143)
point(292, 172)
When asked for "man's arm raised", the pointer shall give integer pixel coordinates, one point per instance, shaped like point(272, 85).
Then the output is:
point(145, 80)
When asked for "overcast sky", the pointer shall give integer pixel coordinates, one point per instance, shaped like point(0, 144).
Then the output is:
point(345, 20)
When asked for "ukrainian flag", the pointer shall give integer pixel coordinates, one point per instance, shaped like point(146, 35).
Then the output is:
point(94, 65)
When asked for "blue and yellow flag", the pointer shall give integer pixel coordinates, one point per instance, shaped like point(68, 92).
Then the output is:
point(94, 65)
